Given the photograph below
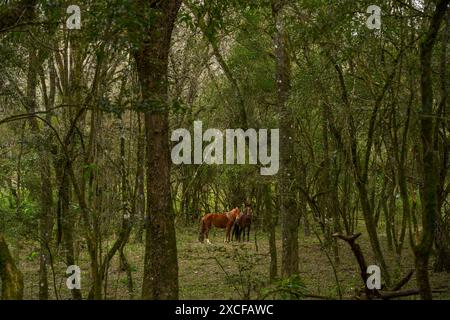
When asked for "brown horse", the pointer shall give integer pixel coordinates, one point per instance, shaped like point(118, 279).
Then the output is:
point(243, 223)
point(218, 220)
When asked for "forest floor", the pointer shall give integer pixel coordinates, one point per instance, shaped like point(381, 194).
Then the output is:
point(229, 270)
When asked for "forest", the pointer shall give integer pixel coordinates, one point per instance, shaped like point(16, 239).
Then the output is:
point(224, 149)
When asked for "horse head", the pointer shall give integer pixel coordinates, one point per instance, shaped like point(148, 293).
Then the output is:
point(248, 209)
point(233, 214)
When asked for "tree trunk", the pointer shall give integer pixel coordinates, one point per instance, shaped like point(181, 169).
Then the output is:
point(270, 224)
point(12, 280)
point(428, 191)
point(330, 194)
point(46, 196)
point(65, 217)
point(160, 262)
point(139, 201)
point(442, 235)
point(361, 171)
point(289, 215)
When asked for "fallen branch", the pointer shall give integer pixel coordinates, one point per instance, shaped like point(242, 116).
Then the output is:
point(374, 293)
point(386, 295)
point(357, 252)
point(404, 281)
point(297, 295)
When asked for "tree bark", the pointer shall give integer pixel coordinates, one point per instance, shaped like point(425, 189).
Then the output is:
point(289, 214)
point(12, 279)
point(46, 194)
point(151, 55)
point(139, 199)
point(270, 224)
point(442, 236)
point(65, 217)
point(428, 190)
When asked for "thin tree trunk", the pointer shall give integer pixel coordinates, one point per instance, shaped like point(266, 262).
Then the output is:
point(361, 170)
point(270, 225)
point(46, 196)
point(139, 201)
point(289, 214)
point(66, 218)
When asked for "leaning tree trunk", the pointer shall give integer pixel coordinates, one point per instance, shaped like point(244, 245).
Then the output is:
point(151, 54)
point(12, 280)
point(289, 215)
point(428, 163)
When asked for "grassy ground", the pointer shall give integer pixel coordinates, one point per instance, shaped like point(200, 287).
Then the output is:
point(227, 271)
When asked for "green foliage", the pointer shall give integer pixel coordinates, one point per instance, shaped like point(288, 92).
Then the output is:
point(244, 277)
point(18, 218)
point(106, 105)
point(289, 288)
point(32, 256)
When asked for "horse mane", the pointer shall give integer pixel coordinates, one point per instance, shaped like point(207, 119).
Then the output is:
point(234, 212)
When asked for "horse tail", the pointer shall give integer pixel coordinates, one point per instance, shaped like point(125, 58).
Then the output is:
point(201, 235)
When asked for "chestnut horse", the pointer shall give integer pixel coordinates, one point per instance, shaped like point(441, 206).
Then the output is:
point(218, 220)
point(243, 223)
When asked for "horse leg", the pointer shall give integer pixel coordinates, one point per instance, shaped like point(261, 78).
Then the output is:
point(206, 234)
point(248, 233)
point(229, 229)
point(235, 232)
point(201, 235)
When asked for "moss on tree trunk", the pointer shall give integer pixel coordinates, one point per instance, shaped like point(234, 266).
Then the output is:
point(12, 280)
